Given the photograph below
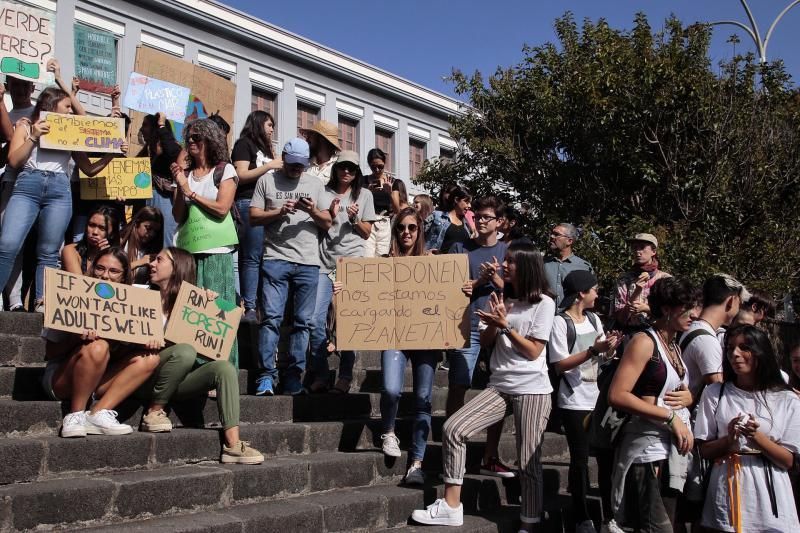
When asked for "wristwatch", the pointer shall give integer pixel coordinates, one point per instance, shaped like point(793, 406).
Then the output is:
point(505, 331)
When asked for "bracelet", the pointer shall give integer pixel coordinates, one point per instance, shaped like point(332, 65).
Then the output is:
point(592, 351)
point(670, 418)
point(505, 331)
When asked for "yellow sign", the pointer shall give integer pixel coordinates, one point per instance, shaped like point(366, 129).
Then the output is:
point(81, 133)
point(124, 177)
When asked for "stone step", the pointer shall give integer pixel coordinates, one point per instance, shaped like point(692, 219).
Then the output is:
point(78, 500)
point(28, 324)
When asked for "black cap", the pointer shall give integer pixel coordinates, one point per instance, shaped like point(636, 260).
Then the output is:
point(575, 282)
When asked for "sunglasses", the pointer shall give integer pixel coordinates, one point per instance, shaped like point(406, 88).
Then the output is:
point(195, 138)
point(350, 169)
point(412, 228)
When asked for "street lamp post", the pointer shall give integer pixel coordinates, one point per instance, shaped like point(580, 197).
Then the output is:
point(753, 31)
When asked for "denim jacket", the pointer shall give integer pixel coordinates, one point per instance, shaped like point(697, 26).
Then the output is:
point(439, 222)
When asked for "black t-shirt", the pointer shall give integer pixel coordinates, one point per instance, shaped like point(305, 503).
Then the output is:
point(246, 150)
point(454, 234)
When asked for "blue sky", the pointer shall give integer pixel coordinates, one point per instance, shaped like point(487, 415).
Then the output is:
point(422, 40)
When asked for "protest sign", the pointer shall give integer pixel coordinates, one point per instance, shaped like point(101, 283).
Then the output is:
point(124, 177)
point(150, 95)
point(403, 303)
point(27, 40)
point(82, 133)
point(95, 59)
point(114, 310)
point(202, 231)
point(210, 326)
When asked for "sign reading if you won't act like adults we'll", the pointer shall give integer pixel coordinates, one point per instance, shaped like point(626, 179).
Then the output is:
point(209, 325)
point(114, 310)
point(402, 303)
point(82, 133)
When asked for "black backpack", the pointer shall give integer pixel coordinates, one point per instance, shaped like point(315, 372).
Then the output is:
point(219, 171)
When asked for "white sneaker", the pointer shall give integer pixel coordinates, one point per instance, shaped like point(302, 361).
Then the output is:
point(391, 445)
point(587, 526)
point(611, 527)
point(439, 514)
point(414, 476)
point(74, 425)
point(104, 422)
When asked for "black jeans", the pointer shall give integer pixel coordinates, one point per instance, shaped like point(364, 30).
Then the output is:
point(578, 442)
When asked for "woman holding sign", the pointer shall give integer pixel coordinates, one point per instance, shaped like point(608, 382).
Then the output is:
point(42, 190)
point(517, 331)
point(202, 205)
point(80, 366)
point(183, 375)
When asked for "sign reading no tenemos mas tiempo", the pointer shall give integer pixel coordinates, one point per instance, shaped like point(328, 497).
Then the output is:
point(95, 59)
point(82, 133)
point(114, 310)
point(123, 177)
point(401, 303)
point(27, 40)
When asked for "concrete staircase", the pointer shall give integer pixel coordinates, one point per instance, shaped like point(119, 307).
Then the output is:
point(323, 471)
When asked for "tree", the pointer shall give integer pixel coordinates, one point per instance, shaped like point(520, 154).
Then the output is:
point(628, 131)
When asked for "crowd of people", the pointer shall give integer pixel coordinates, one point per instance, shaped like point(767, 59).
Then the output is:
point(676, 391)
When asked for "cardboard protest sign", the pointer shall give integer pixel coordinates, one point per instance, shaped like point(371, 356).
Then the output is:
point(210, 92)
point(403, 303)
point(151, 95)
point(202, 231)
point(210, 326)
point(82, 133)
point(95, 59)
point(27, 40)
point(114, 310)
point(123, 177)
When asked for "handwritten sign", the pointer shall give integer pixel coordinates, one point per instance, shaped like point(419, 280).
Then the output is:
point(114, 310)
point(210, 326)
point(82, 133)
point(203, 232)
point(95, 59)
point(123, 177)
point(403, 303)
point(151, 95)
point(27, 40)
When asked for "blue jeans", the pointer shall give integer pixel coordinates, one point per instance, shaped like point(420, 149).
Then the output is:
point(43, 195)
point(279, 276)
point(463, 361)
point(251, 252)
point(164, 203)
point(393, 365)
point(319, 337)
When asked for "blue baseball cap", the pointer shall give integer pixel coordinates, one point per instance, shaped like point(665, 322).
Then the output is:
point(296, 152)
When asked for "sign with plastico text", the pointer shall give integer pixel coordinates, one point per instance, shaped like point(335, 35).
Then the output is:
point(124, 177)
point(27, 41)
point(209, 325)
point(151, 95)
point(114, 310)
point(402, 303)
point(202, 231)
point(95, 59)
point(82, 133)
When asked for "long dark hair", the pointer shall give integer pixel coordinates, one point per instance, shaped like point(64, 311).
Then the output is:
point(531, 283)
point(120, 256)
point(112, 229)
point(767, 367)
point(216, 146)
point(794, 379)
point(130, 240)
point(419, 245)
point(254, 131)
point(47, 101)
point(149, 149)
point(355, 185)
point(456, 193)
point(183, 269)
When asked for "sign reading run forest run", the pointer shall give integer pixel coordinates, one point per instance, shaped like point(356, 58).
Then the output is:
point(209, 325)
point(114, 310)
point(82, 133)
point(402, 303)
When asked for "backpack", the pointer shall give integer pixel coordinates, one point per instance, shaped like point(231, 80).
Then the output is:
point(555, 377)
point(687, 338)
point(219, 171)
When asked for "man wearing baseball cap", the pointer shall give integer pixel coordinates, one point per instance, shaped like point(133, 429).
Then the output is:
point(286, 203)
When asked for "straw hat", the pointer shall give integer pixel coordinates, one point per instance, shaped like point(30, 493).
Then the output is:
point(327, 130)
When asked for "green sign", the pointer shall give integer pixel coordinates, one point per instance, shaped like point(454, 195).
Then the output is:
point(202, 232)
point(95, 59)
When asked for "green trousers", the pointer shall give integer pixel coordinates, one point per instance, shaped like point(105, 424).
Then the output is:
point(215, 272)
point(180, 376)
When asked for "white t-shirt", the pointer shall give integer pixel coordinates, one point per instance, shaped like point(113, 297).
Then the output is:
point(205, 187)
point(513, 373)
point(702, 356)
point(780, 420)
point(582, 378)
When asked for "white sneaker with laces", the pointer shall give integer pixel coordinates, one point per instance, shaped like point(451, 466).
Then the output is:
point(414, 476)
point(611, 527)
point(439, 514)
point(74, 425)
point(104, 422)
point(391, 445)
point(587, 526)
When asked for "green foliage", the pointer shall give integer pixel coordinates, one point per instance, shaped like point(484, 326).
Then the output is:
point(628, 131)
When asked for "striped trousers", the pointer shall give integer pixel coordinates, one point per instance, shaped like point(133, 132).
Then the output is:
point(531, 412)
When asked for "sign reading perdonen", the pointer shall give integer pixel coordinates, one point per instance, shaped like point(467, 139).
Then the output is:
point(210, 326)
point(403, 303)
point(114, 310)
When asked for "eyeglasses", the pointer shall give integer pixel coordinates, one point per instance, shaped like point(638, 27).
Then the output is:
point(487, 218)
point(195, 138)
point(412, 228)
point(557, 234)
point(100, 269)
